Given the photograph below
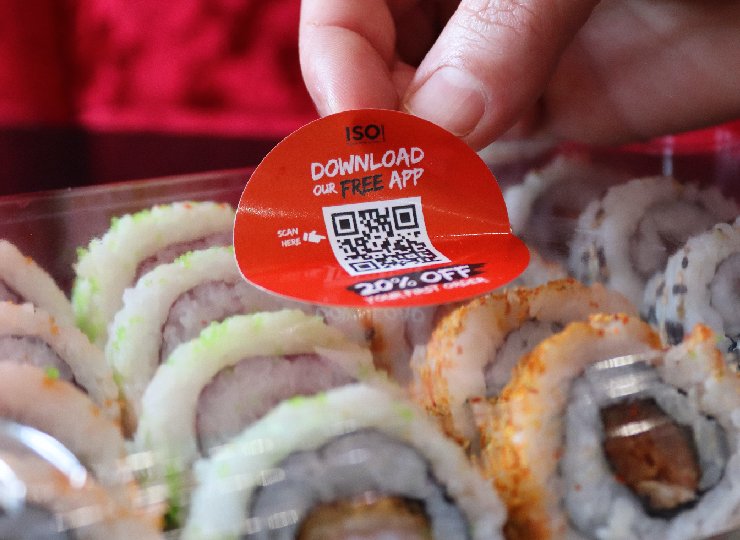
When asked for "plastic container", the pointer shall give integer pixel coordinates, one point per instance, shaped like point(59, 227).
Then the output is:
point(50, 226)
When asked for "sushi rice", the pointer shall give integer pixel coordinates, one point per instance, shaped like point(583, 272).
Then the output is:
point(473, 350)
point(625, 237)
point(22, 280)
point(230, 481)
point(32, 397)
point(170, 305)
point(57, 507)
point(701, 286)
point(693, 386)
point(133, 245)
point(171, 404)
point(522, 437)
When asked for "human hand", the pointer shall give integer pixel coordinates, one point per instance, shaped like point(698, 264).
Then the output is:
point(618, 71)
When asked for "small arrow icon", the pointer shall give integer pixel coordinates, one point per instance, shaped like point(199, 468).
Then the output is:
point(313, 236)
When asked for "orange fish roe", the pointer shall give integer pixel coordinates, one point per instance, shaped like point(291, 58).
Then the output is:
point(463, 357)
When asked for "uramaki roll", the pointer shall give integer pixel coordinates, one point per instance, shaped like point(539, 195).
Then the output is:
point(134, 244)
point(357, 462)
point(29, 335)
point(171, 305)
point(602, 434)
point(544, 207)
point(626, 236)
point(473, 350)
point(653, 445)
point(212, 387)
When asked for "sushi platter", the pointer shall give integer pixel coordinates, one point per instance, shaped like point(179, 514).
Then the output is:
point(148, 390)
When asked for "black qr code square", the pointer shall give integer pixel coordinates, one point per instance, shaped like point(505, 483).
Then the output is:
point(380, 236)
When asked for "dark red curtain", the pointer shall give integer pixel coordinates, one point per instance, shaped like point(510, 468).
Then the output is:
point(101, 90)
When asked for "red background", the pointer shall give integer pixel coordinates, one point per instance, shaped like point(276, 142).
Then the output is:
point(101, 90)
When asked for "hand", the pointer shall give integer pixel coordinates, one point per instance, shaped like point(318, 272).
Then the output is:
point(618, 71)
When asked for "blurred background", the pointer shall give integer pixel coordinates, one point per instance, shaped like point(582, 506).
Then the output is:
point(96, 91)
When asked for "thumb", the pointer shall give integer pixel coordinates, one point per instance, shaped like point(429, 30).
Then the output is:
point(491, 63)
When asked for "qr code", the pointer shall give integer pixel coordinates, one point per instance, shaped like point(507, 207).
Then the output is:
point(380, 236)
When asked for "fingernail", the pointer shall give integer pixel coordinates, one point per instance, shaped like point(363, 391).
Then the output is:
point(450, 98)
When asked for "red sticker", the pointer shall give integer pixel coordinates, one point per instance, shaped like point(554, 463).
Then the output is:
point(375, 208)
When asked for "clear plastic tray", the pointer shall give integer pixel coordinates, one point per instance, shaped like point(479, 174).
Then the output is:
point(50, 226)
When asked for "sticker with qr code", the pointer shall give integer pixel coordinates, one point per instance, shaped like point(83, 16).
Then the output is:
point(375, 208)
point(368, 238)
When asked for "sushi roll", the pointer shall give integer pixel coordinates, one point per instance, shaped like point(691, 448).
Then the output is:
point(357, 462)
point(29, 335)
point(701, 286)
point(134, 244)
point(663, 454)
point(23, 281)
point(473, 350)
point(544, 207)
point(36, 398)
point(171, 305)
point(212, 387)
point(603, 434)
point(47, 493)
point(625, 237)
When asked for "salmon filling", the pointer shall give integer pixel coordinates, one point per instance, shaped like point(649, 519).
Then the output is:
point(198, 307)
point(651, 454)
point(173, 251)
point(368, 517)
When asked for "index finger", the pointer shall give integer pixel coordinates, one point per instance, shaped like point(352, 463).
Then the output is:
point(347, 53)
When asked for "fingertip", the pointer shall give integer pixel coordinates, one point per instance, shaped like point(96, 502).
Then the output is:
point(346, 54)
point(451, 98)
point(343, 72)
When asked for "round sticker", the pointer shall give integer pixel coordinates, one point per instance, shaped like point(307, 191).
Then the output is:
point(375, 208)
